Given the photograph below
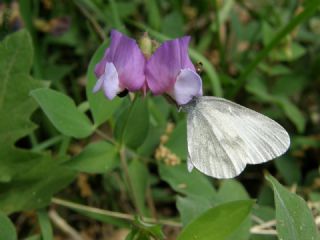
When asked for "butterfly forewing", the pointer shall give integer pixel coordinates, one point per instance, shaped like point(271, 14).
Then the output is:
point(224, 136)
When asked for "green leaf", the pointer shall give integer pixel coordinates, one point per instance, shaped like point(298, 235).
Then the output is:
point(192, 206)
point(309, 9)
point(16, 106)
point(173, 25)
point(154, 16)
point(219, 222)
point(36, 185)
point(63, 113)
point(24, 173)
point(294, 218)
point(139, 176)
point(182, 181)
point(293, 113)
point(289, 169)
point(133, 124)
point(257, 87)
point(101, 108)
point(231, 190)
point(98, 157)
point(178, 140)
point(45, 225)
point(7, 229)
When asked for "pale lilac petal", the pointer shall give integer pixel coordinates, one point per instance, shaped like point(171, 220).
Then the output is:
point(187, 86)
point(110, 81)
point(165, 64)
point(98, 85)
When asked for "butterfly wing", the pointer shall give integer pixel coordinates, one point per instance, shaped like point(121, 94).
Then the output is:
point(224, 136)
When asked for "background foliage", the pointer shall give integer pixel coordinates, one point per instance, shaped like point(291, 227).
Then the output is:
point(74, 165)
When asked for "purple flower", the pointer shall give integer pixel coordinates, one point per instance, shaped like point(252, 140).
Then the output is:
point(122, 67)
point(170, 70)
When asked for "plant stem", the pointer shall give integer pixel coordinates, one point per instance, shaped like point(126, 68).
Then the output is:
point(218, 34)
point(104, 136)
point(119, 215)
point(308, 11)
point(99, 30)
point(125, 169)
point(48, 143)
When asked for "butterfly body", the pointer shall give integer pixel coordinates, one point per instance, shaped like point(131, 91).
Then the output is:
point(223, 137)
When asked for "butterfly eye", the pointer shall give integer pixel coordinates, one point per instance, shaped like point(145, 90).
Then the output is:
point(199, 67)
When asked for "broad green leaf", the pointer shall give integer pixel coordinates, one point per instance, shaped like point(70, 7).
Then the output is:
point(159, 110)
point(24, 173)
point(101, 108)
point(16, 107)
point(178, 140)
point(133, 124)
point(63, 113)
point(139, 176)
point(192, 207)
point(231, 190)
point(151, 142)
point(36, 185)
point(289, 169)
point(183, 182)
point(98, 157)
point(219, 222)
point(294, 218)
point(7, 229)
point(45, 225)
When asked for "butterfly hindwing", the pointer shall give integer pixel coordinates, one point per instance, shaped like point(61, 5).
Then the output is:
point(224, 136)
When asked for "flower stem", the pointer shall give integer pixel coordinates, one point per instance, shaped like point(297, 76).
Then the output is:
point(125, 168)
point(103, 212)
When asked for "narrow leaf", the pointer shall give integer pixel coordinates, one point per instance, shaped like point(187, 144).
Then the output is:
point(45, 225)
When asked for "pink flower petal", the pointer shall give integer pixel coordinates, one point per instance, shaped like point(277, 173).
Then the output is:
point(127, 58)
point(165, 64)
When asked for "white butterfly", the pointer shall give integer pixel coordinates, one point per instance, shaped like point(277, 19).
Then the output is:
point(223, 137)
